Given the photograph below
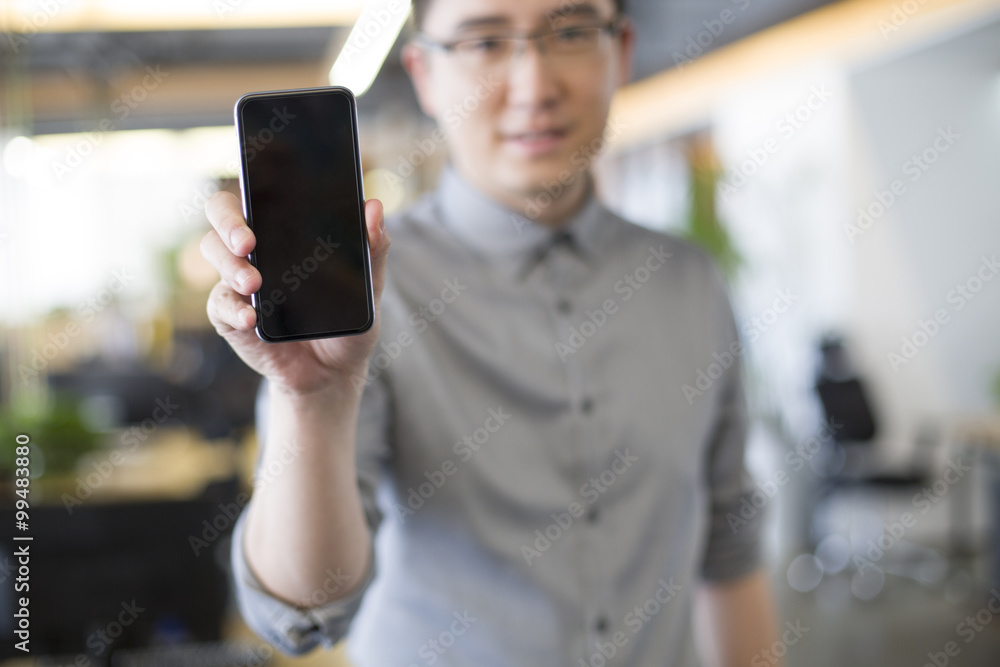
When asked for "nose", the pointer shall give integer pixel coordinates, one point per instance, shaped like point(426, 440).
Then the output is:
point(531, 78)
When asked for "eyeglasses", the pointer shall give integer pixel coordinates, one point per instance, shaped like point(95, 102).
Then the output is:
point(494, 51)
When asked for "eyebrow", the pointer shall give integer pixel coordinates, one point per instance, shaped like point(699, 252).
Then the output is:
point(576, 9)
point(482, 21)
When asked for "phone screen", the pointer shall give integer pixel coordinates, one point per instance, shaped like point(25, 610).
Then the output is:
point(304, 200)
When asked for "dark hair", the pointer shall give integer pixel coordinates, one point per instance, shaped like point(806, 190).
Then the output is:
point(420, 10)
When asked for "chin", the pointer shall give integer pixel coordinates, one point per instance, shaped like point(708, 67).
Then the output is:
point(529, 176)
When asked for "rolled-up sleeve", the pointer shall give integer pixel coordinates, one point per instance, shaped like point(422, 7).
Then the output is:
point(733, 546)
point(295, 629)
point(292, 629)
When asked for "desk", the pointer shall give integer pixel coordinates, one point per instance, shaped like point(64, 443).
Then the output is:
point(979, 435)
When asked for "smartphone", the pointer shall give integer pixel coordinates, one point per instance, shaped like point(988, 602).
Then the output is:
point(303, 197)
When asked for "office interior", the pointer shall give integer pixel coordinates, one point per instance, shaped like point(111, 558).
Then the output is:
point(838, 159)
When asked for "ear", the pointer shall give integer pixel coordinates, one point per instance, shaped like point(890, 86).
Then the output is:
point(626, 52)
point(414, 60)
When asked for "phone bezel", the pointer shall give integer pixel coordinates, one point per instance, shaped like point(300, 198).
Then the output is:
point(248, 213)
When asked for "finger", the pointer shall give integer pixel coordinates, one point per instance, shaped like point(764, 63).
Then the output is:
point(378, 243)
point(226, 215)
point(234, 270)
point(229, 311)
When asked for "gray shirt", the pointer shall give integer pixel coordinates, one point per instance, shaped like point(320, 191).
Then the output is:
point(550, 447)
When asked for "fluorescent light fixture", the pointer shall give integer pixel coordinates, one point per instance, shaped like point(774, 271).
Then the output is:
point(369, 43)
point(31, 16)
point(17, 155)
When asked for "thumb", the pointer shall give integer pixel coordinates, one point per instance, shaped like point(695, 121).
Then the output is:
point(378, 243)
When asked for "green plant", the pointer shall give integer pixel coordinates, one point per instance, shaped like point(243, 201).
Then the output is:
point(55, 428)
point(704, 226)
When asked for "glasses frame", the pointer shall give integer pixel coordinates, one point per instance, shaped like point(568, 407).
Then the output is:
point(613, 27)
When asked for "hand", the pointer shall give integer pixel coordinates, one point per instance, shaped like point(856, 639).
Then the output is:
point(297, 367)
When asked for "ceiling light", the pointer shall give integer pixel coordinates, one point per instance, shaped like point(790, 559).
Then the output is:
point(369, 43)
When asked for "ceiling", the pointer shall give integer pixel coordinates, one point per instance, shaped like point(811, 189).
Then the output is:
point(77, 74)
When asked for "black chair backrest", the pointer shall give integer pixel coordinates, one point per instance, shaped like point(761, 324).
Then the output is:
point(848, 410)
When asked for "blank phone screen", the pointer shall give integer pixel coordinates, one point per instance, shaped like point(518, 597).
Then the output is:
point(304, 203)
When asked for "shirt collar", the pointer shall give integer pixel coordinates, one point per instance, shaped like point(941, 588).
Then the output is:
point(514, 240)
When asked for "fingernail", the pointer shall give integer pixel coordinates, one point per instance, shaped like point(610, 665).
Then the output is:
point(238, 235)
point(243, 276)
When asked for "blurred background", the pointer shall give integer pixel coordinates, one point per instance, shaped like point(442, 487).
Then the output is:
point(839, 159)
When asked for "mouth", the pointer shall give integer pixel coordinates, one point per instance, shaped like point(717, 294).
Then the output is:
point(537, 142)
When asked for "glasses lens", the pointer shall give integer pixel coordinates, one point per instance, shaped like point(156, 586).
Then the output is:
point(492, 52)
point(570, 41)
point(484, 52)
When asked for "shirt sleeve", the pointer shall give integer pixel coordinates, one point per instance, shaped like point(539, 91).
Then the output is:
point(733, 545)
point(295, 629)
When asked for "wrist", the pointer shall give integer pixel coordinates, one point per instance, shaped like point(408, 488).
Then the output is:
point(337, 393)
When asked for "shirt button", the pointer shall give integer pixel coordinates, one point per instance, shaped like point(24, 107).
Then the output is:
point(564, 306)
point(587, 406)
point(592, 514)
point(601, 625)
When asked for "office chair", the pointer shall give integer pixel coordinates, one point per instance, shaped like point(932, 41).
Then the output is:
point(850, 465)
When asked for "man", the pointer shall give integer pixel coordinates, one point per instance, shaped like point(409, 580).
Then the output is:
point(514, 428)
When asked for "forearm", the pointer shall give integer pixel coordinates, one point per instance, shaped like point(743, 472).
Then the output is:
point(735, 622)
point(306, 519)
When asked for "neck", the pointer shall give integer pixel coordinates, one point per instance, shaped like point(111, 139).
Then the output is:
point(556, 214)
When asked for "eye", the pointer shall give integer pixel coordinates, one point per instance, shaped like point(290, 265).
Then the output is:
point(484, 44)
point(573, 35)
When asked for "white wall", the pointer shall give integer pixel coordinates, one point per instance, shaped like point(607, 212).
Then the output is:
point(933, 236)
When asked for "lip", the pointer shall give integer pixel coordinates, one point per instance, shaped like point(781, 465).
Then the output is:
point(536, 141)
